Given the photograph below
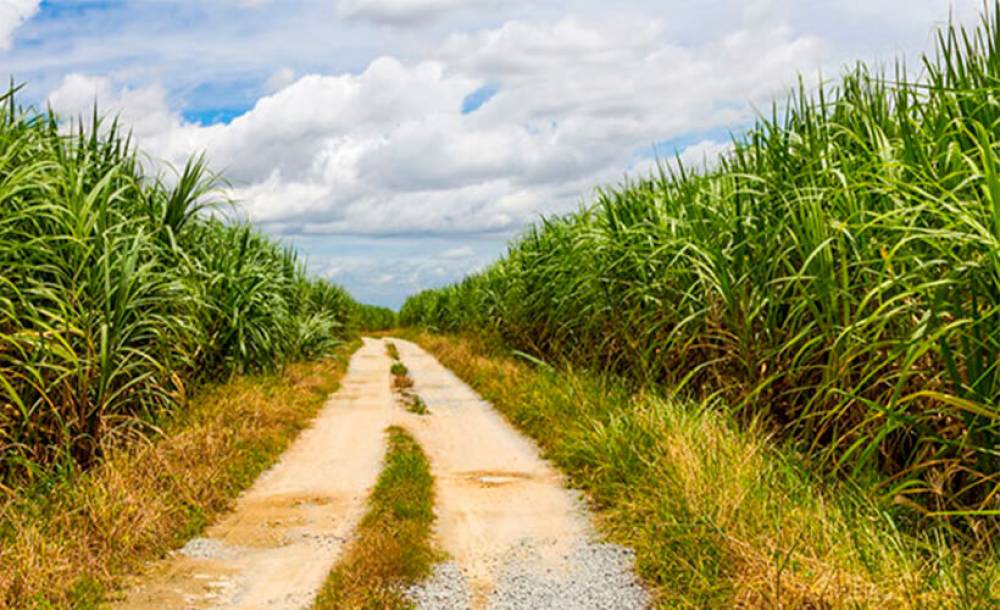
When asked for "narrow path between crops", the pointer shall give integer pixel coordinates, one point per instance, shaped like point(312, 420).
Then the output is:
point(515, 536)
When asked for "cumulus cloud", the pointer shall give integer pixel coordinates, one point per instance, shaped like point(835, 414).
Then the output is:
point(387, 143)
point(143, 109)
point(398, 271)
point(390, 151)
point(12, 14)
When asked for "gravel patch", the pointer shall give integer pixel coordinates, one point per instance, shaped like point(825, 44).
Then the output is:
point(206, 548)
point(447, 589)
point(595, 576)
point(599, 577)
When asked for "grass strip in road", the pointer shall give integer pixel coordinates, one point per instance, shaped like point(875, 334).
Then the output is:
point(416, 404)
point(403, 383)
point(719, 515)
point(68, 544)
point(401, 379)
point(392, 547)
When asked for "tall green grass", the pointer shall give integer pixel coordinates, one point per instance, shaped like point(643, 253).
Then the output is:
point(838, 272)
point(373, 318)
point(719, 514)
point(117, 294)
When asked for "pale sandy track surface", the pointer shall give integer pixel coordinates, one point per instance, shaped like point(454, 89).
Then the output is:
point(516, 537)
point(493, 491)
point(277, 546)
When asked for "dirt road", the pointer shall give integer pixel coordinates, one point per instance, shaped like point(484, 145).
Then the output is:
point(500, 507)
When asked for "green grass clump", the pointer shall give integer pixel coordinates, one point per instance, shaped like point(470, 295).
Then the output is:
point(838, 272)
point(416, 404)
point(719, 515)
point(399, 369)
point(120, 290)
point(392, 548)
point(403, 383)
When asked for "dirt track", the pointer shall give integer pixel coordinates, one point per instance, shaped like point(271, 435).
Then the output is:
point(493, 491)
point(494, 495)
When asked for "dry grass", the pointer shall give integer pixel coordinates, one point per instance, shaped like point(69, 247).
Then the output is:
point(71, 544)
point(392, 547)
point(719, 516)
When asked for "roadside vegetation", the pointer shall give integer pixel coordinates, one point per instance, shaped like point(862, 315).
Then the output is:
point(372, 319)
point(835, 278)
point(70, 543)
point(122, 291)
point(403, 383)
point(392, 546)
point(719, 514)
point(144, 341)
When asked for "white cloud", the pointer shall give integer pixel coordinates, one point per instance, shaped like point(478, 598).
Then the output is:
point(12, 14)
point(462, 252)
point(284, 77)
point(697, 157)
point(378, 145)
point(704, 153)
point(400, 12)
point(917, 13)
point(142, 109)
point(389, 151)
point(394, 274)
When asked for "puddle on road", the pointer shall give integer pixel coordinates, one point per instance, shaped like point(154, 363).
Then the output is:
point(496, 478)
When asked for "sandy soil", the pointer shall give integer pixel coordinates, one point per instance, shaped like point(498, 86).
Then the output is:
point(495, 495)
point(285, 533)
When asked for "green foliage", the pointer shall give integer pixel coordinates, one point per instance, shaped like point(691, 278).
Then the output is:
point(392, 548)
point(719, 514)
point(117, 292)
point(838, 272)
point(404, 491)
point(399, 369)
point(372, 318)
point(417, 405)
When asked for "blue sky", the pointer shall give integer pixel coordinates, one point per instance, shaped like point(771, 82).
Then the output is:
point(400, 143)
